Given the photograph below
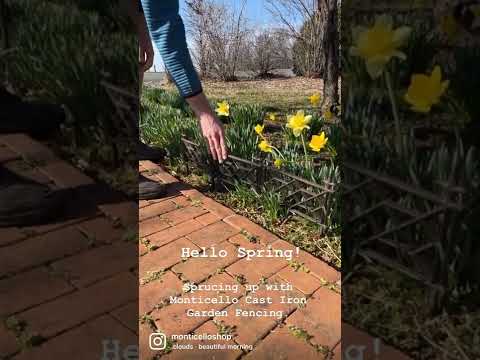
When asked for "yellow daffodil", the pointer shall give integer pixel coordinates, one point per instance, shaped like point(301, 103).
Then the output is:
point(318, 142)
point(271, 116)
point(265, 146)
point(223, 108)
point(377, 45)
point(299, 122)
point(315, 99)
point(327, 114)
point(278, 163)
point(425, 91)
point(259, 129)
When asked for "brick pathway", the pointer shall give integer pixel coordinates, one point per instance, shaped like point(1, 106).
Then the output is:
point(188, 219)
point(71, 287)
point(72, 283)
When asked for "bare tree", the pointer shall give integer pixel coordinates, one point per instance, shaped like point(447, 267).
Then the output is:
point(271, 49)
point(219, 35)
point(324, 41)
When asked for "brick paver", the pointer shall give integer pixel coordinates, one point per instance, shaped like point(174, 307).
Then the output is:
point(75, 282)
point(309, 329)
point(72, 283)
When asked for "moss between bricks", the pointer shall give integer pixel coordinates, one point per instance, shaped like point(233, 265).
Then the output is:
point(24, 337)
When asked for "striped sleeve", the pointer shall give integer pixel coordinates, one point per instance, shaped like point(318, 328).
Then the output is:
point(168, 33)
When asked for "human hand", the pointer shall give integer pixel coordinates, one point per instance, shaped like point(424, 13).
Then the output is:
point(212, 130)
point(145, 51)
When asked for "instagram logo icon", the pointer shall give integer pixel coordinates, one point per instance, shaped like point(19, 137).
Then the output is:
point(157, 341)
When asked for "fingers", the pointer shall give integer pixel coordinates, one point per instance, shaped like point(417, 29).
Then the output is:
point(211, 146)
point(223, 147)
point(218, 151)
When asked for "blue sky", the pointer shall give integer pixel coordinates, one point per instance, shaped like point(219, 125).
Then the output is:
point(257, 14)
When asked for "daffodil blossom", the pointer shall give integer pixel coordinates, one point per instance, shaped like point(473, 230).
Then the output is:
point(377, 45)
point(278, 163)
point(318, 142)
point(265, 146)
point(425, 91)
point(315, 99)
point(299, 122)
point(223, 108)
point(259, 129)
point(271, 116)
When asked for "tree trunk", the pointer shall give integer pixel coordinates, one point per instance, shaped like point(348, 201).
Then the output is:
point(329, 14)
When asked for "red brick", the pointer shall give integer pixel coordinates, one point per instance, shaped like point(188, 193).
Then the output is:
point(8, 342)
point(181, 201)
point(317, 267)
point(68, 311)
point(212, 234)
point(26, 171)
point(126, 212)
point(56, 225)
point(159, 171)
point(98, 263)
point(172, 319)
point(337, 352)
point(216, 208)
point(42, 249)
point(156, 209)
point(249, 330)
point(195, 353)
point(65, 175)
point(198, 269)
point(193, 194)
point(255, 270)
point(242, 223)
point(128, 316)
point(184, 214)
point(304, 282)
point(281, 344)
point(155, 292)
point(10, 235)
point(168, 235)
point(28, 148)
point(240, 240)
point(321, 318)
point(207, 219)
point(7, 155)
point(152, 226)
point(142, 249)
point(102, 230)
point(30, 288)
point(145, 352)
point(164, 257)
point(85, 342)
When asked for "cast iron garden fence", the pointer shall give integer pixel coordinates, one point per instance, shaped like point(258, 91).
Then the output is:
point(310, 200)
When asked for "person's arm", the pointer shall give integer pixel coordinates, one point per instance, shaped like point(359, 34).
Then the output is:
point(168, 32)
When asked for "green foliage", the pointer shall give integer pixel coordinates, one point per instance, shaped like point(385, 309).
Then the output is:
point(73, 57)
point(240, 133)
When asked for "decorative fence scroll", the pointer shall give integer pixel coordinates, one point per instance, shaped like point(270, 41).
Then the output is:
point(404, 227)
point(299, 196)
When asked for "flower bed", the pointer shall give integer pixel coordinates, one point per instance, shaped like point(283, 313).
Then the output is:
point(290, 189)
point(410, 179)
point(298, 196)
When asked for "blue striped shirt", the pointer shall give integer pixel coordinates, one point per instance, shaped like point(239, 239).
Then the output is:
point(168, 33)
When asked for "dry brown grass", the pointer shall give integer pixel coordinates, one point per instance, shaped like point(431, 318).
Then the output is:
point(282, 95)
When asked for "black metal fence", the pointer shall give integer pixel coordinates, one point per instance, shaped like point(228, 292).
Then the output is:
point(307, 199)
